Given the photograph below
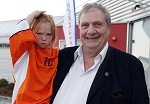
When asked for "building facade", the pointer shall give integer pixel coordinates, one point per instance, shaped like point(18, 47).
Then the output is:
point(130, 33)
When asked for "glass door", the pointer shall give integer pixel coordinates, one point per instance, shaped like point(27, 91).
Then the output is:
point(140, 45)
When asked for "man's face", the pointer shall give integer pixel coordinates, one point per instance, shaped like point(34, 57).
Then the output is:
point(94, 30)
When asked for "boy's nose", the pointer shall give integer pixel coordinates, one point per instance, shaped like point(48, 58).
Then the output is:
point(43, 37)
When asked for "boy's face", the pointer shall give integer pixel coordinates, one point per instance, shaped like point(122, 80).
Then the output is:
point(43, 35)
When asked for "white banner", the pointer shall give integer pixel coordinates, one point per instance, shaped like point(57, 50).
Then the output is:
point(69, 26)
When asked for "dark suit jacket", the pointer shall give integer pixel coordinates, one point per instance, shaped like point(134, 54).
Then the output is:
point(119, 80)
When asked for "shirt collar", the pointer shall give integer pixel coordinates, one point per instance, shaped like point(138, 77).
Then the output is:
point(104, 51)
point(78, 52)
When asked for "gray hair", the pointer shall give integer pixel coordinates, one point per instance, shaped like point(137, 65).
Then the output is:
point(96, 5)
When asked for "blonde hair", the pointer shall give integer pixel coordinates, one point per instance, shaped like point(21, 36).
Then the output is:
point(44, 18)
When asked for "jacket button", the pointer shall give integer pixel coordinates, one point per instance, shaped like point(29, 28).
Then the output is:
point(106, 74)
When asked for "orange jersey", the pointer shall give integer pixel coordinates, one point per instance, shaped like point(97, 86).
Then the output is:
point(34, 69)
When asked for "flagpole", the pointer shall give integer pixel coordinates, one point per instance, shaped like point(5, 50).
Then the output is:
point(75, 35)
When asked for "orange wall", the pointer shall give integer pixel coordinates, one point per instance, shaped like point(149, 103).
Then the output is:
point(117, 38)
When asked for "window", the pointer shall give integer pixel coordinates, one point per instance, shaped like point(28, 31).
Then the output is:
point(4, 45)
point(62, 43)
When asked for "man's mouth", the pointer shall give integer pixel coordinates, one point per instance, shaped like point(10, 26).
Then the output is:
point(92, 38)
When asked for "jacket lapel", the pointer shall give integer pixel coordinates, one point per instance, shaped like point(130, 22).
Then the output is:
point(102, 74)
point(63, 69)
point(62, 73)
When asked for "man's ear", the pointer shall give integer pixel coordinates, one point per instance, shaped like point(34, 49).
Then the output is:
point(108, 30)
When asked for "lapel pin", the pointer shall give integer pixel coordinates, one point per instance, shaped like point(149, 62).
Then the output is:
point(106, 74)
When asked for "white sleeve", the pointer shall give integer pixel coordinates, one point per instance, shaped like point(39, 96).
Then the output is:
point(21, 25)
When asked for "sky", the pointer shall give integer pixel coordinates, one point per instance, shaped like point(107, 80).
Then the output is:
point(19, 9)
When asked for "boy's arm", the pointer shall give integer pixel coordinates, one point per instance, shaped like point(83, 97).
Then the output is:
point(22, 37)
point(30, 18)
point(21, 40)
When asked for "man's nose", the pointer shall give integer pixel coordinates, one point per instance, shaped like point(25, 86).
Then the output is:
point(91, 30)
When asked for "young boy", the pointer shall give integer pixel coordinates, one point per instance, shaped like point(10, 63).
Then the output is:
point(34, 59)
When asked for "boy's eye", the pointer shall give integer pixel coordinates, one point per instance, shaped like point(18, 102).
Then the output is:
point(49, 34)
point(39, 33)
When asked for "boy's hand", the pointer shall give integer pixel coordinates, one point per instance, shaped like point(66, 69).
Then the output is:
point(33, 15)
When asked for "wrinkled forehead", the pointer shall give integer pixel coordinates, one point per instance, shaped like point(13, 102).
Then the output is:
point(89, 9)
point(92, 13)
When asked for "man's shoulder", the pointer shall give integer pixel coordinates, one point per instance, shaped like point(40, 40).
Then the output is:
point(68, 50)
point(121, 55)
point(67, 53)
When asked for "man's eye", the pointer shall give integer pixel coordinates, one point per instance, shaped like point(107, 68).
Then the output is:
point(84, 26)
point(97, 25)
